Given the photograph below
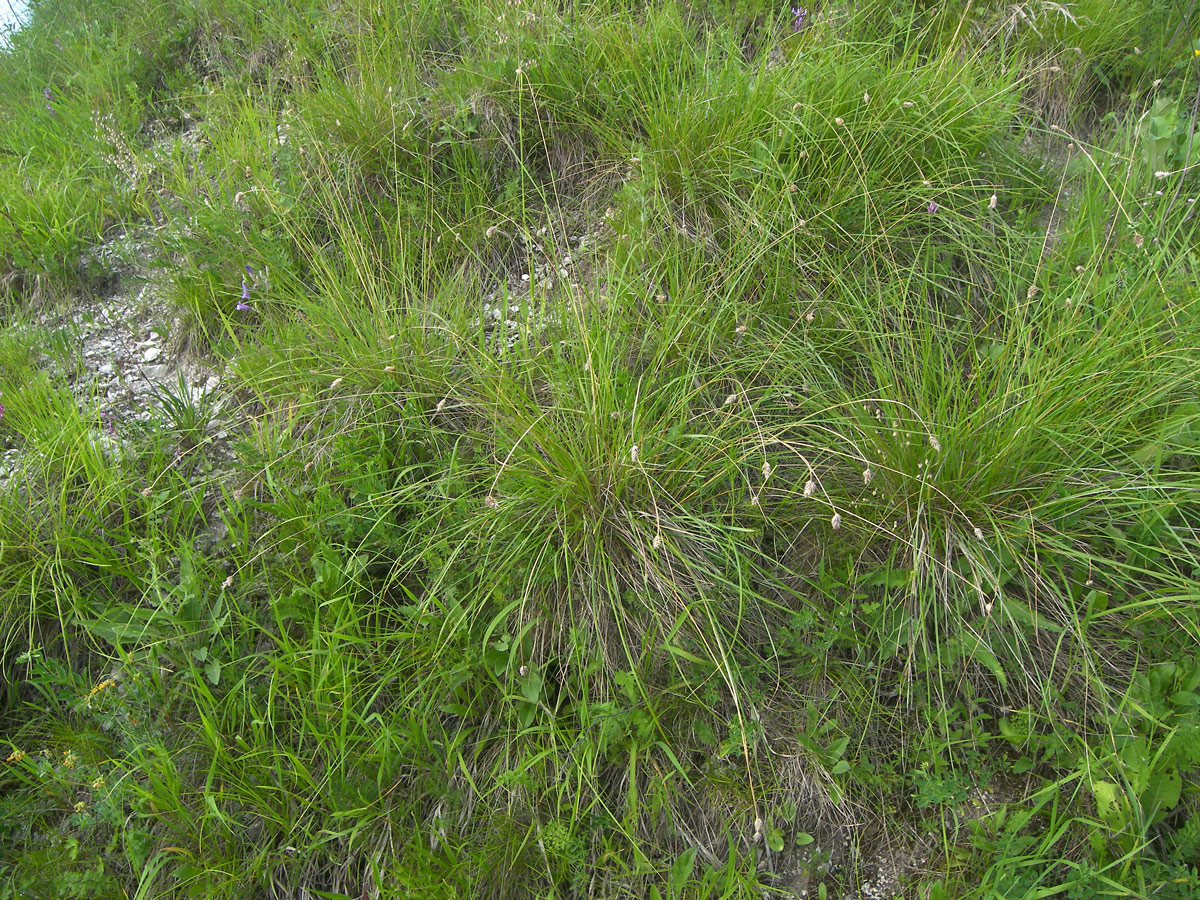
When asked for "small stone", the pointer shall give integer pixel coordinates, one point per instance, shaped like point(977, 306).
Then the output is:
point(151, 354)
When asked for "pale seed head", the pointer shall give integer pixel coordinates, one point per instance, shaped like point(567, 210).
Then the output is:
point(836, 521)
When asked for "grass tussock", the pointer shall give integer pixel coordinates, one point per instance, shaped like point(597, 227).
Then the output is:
point(662, 450)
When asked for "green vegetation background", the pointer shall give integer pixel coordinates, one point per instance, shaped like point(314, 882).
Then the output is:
point(819, 488)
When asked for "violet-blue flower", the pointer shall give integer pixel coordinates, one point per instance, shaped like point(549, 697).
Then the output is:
point(245, 290)
point(242, 307)
point(799, 14)
point(932, 207)
point(47, 94)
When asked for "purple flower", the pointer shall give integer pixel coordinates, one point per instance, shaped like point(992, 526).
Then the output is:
point(46, 93)
point(108, 422)
point(51, 109)
point(58, 44)
point(249, 271)
point(799, 14)
point(1, 410)
point(242, 307)
point(245, 290)
point(932, 207)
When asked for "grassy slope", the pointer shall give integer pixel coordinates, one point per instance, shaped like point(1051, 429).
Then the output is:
point(822, 489)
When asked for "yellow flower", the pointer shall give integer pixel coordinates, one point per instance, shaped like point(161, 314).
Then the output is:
point(16, 756)
point(80, 806)
point(70, 758)
point(102, 686)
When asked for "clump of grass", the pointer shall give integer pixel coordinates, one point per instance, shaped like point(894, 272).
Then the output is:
point(682, 451)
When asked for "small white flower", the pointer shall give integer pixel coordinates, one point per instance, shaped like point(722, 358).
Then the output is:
point(389, 368)
point(810, 488)
point(335, 383)
point(992, 202)
point(978, 533)
point(867, 475)
point(839, 121)
point(866, 97)
point(907, 104)
point(766, 470)
point(836, 521)
point(523, 671)
point(1161, 175)
point(732, 398)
